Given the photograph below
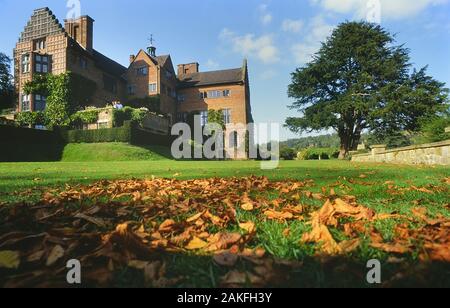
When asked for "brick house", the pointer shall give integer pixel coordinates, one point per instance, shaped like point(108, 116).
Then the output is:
point(45, 46)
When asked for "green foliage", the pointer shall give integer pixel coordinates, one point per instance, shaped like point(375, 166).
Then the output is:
point(59, 104)
point(117, 134)
point(6, 83)
point(324, 141)
point(65, 93)
point(318, 153)
point(88, 116)
point(39, 85)
point(128, 114)
point(287, 153)
point(31, 118)
point(152, 103)
point(433, 130)
point(216, 116)
point(393, 140)
point(359, 80)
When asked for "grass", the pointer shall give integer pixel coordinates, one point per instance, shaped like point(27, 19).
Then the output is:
point(98, 152)
point(26, 182)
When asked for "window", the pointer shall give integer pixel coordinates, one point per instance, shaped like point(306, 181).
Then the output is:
point(153, 87)
point(203, 118)
point(181, 98)
point(83, 63)
point(26, 63)
point(182, 117)
point(39, 102)
point(168, 74)
point(109, 84)
point(217, 94)
point(142, 71)
point(132, 89)
point(227, 116)
point(214, 94)
point(25, 102)
point(234, 139)
point(41, 64)
point(39, 44)
point(203, 95)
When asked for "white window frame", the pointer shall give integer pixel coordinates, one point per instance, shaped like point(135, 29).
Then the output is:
point(227, 116)
point(153, 87)
point(204, 118)
point(41, 100)
point(25, 98)
point(26, 63)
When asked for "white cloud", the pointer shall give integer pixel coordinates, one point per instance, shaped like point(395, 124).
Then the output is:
point(212, 65)
point(266, 16)
point(250, 45)
point(317, 31)
point(390, 9)
point(294, 26)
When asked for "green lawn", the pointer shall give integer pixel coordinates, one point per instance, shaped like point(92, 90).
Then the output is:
point(367, 182)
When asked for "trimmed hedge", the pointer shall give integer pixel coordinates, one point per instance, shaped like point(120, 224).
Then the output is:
point(118, 134)
point(19, 144)
point(129, 133)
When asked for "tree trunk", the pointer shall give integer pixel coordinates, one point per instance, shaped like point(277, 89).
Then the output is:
point(349, 143)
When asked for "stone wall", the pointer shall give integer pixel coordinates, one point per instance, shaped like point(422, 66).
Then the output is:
point(427, 154)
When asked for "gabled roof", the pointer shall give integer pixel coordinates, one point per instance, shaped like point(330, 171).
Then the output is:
point(212, 78)
point(162, 61)
point(42, 23)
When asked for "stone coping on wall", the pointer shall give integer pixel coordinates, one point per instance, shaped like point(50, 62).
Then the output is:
point(409, 148)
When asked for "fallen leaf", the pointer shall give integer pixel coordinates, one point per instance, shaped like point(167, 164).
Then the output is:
point(248, 226)
point(55, 254)
point(9, 259)
point(196, 244)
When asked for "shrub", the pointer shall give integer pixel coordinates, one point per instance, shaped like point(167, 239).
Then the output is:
point(118, 134)
point(434, 130)
point(318, 153)
point(31, 118)
point(287, 154)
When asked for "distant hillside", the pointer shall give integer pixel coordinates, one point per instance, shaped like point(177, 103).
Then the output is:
point(81, 152)
point(324, 141)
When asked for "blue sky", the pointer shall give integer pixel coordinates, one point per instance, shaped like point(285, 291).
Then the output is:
point(276, 36)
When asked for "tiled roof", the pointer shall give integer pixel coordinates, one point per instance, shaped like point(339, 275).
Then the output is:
point(212, 78)
point(108, 65)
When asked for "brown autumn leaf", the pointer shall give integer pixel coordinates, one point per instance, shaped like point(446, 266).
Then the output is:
point(221, 241)
point(275, 215)
point(167, 225)
point(391, 248)
point(248, 226)
point(321, 235)
point(196, 244)
point(55, 254)
point(195, 217)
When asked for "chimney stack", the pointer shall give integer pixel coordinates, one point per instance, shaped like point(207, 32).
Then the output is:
point(132, 58)
point(187, 69)
point(81, 30)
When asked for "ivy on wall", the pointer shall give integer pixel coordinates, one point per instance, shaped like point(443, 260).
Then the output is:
point(65, 94)
point(31, 118)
